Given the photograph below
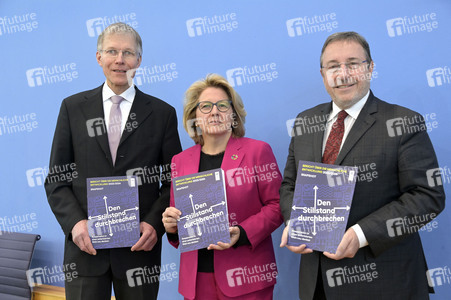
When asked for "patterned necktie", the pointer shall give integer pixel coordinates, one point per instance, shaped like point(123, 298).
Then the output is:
point(114, 125)
point(334, 140)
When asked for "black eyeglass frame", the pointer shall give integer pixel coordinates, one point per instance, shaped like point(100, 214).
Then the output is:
point(213, 104)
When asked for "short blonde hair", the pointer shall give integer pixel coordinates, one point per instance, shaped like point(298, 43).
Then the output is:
point(192, 98)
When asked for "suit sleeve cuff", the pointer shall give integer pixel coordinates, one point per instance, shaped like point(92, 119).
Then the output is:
point(172, 237)
point(243, 239)
point(360, 235)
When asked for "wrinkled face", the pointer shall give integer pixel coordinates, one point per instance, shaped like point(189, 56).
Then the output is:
point(215, 122)
point(345, 74)
point(119, 69)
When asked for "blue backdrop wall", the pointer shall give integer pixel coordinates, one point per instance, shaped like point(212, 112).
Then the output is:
point(48, 53)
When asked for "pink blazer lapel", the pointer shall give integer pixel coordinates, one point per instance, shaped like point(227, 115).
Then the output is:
point(190, 161)
point(233, 156)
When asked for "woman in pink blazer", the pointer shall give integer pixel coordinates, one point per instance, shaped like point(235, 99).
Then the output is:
point(245, 268)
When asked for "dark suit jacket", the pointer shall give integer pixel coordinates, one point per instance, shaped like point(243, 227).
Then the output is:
point(150, 139)
point(400, 190)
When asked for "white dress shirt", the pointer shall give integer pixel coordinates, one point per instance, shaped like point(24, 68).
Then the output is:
point(353, 113)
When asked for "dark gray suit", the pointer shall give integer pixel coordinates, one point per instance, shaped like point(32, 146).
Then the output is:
point(400, 190)
point(150, 139)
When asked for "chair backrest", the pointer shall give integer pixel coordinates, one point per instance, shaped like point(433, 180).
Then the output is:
point(16, 250)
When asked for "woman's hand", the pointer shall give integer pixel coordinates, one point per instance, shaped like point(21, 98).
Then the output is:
point(234, 236)
point(170, 217)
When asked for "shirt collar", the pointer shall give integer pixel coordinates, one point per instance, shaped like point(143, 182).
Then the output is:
point(128, 95)
point(353, 111)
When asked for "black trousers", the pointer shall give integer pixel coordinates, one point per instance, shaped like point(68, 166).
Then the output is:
point(99, 288)
point(319, 289)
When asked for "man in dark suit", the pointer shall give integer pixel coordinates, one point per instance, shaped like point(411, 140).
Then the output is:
point(380, 255)
point(146, 139)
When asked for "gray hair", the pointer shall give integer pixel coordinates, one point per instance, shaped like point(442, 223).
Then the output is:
point(121, 28)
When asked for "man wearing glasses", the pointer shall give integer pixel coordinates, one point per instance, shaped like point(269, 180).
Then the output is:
point(380, 255)
point(109, 131)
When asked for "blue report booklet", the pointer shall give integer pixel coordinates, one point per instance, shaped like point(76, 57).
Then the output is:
point(321, 203)
point(113, 211)
point(202, 199)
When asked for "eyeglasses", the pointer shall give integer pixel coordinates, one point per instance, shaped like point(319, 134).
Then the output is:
point(207, 106)
point(335, 67)
point(126, 54)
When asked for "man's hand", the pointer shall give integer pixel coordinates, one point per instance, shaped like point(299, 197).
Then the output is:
point(302, 249)
point(148, 238)
point(80, 237)
point(234, 237)
point(348, 246)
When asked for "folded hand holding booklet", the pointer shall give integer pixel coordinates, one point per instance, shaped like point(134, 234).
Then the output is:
point(321, 203)
point(202, 199)
point(113, 211)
